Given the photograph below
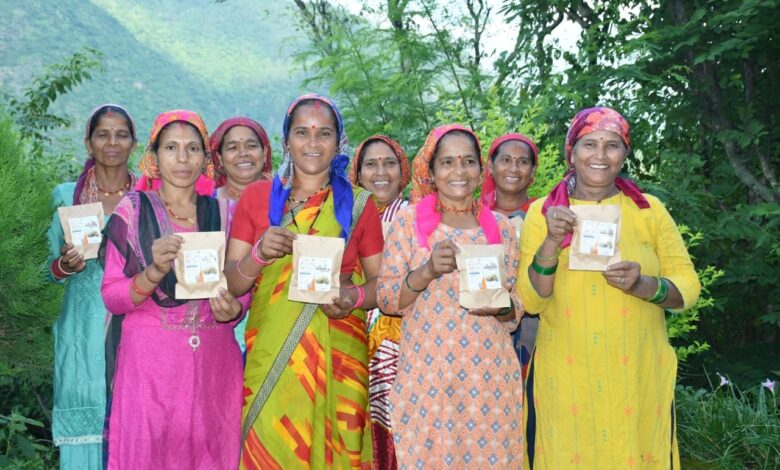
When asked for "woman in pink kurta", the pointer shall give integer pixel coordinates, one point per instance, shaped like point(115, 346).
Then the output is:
point(174, 368)
point(457, 397)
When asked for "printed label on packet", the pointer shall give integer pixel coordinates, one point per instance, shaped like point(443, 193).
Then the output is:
point(85, 230)
point(598, 238)
point(314, 274)
point(483, 273)
point(200, 266)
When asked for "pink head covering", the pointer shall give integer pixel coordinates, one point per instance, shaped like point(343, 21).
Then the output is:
point(150, 173)
point(586, 121)
point(216, 142)
point(488, 196)
point(425, 196)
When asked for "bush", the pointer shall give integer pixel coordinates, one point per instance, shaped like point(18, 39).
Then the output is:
point(28, 303)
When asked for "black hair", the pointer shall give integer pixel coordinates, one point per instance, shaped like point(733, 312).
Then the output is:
point(495, 152)
point(156, 143)
point(110, 109)
point(365, 147)
point(456, 132)
point(312, 101)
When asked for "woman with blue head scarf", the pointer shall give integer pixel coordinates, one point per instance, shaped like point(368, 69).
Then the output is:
point(306, 378)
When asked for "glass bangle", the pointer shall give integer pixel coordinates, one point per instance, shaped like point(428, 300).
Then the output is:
point(548, 258)
point(542, 270)
point(406, 281)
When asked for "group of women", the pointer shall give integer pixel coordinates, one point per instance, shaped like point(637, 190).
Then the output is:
point(393, 372)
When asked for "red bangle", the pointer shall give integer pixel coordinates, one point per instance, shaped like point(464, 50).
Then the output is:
point(57, 270)
point(138, 289)
point(256, 256)
point(361, 296)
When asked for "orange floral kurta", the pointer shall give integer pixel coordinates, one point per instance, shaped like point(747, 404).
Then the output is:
point(457, 398)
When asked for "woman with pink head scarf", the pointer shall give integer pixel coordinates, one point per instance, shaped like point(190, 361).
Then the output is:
point(456, 401)
point(600, 386)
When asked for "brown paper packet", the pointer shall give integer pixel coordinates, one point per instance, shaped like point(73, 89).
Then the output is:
point(82, 226)
point(482, 276)
point(199, 264)
point(316, 269)
point(595, 243)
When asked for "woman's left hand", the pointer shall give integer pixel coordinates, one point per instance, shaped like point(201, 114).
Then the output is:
point(623, 275)
point(342, 305)
point(225, 307)
point(495, 312)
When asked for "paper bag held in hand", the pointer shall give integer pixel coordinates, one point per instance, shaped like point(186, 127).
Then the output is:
point(82, 226)
point(316, 269)
point(482, 275)
point(596, 239)
point(199, 264)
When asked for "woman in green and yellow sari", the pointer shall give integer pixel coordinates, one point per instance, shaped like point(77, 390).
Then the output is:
point(306, 378)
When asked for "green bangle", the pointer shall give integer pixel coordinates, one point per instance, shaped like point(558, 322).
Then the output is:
point(542, 270)
point(548, 258)
point(406, 280)
point(661, 294)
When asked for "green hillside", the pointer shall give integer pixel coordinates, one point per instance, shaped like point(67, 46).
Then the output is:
point(220, 59)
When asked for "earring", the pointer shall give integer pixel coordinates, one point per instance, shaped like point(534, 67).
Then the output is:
point(154, 170)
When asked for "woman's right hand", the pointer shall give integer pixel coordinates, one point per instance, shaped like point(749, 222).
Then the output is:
point(277, 242)
point(72, 260)
point(560, 222)
point(164, 251)
point(442, 259)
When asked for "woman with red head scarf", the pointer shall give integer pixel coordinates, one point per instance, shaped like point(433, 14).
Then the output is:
point(242, 155)
point(511, 166)
point(457, 398)
point(173, 366)
point(600, 387)
point(381, 166)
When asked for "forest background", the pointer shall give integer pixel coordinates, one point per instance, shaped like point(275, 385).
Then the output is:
point(696, 79)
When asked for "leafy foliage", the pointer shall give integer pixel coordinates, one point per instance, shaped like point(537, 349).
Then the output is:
point(20, 449)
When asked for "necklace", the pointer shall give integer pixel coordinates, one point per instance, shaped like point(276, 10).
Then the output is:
point(190, 220)
point(298, 202)
point(121, 191)
point(232, 192)
point(469, 210)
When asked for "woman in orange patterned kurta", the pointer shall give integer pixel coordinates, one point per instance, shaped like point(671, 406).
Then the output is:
point(457, 398)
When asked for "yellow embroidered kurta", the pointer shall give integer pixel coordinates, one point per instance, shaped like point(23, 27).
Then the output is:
point(600, 389)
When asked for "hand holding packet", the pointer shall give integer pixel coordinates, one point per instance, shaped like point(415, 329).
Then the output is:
point(482, 275)
point(316, 269)
point(596, 240)
point(199, 264)
point(82, 226)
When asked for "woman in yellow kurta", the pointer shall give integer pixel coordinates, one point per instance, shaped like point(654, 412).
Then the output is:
point(600, 389)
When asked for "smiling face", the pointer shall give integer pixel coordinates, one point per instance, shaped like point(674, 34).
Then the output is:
point(111, 142)
point(313, 138)
point(456, 169)
point(598, 158)
point(380, 172)
point(180, 154)
point(513, 168)
point(243, 155)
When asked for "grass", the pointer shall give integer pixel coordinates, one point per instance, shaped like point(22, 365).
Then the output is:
point(728, 428)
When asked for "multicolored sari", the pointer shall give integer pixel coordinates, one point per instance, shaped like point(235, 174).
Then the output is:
point(315, 415)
